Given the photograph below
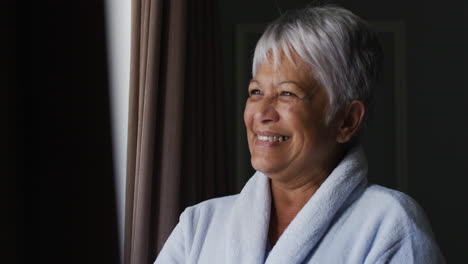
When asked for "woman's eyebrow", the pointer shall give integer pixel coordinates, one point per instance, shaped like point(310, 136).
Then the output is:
point(293, 82)
point(253, 80)
point(281, 83)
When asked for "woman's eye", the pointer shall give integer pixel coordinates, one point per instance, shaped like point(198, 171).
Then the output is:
point(287, 94)
point(255, 92)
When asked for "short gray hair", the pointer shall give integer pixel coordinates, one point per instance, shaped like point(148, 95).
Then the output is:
point(343, 54)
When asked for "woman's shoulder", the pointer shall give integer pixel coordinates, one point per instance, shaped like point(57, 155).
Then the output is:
point(391, 201)
point(393, 208)
point(215, 207)
point(395, 225)
point(216, 203)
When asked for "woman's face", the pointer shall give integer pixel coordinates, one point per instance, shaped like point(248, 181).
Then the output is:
point(284, 116)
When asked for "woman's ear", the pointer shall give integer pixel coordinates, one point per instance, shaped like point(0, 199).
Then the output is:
point(353, 116)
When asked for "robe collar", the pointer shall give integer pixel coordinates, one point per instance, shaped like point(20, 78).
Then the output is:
point(250, 216)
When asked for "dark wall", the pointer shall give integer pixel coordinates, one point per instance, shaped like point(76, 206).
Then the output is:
point(61, 136)
point(437, 90)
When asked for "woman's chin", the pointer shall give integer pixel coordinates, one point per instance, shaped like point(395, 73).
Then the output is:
point(267, 166)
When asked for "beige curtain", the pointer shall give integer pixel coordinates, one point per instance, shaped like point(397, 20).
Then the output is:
point(175, 135)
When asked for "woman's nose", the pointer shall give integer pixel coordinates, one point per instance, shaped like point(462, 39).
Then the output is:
point(266, 112)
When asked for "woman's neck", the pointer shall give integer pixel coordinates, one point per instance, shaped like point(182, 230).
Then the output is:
point(288, 198)
point(286, 204)
point(291, 194)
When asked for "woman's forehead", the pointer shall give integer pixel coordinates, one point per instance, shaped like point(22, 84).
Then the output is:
point(284, 70)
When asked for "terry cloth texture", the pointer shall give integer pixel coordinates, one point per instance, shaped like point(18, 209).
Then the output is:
point(346, 221)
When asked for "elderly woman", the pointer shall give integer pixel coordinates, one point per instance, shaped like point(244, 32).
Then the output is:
point(314, 72)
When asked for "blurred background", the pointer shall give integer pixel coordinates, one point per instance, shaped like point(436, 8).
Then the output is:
point(418, 138)
point(68, 117)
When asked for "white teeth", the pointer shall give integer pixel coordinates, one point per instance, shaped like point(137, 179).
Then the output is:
point(272, 138)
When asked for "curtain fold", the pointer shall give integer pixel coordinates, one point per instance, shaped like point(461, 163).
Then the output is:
point(175, 155)
point(203, 170)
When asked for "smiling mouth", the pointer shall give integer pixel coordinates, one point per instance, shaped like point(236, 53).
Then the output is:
point(272, 138)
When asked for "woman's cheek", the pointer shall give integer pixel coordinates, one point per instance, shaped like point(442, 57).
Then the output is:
point(291, 111)
point(248, 114)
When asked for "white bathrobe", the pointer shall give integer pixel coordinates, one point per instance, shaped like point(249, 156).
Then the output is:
point(345, 221)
